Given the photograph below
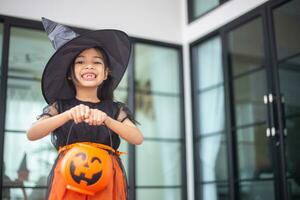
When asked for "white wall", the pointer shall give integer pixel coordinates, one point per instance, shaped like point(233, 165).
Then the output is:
point(149, 19)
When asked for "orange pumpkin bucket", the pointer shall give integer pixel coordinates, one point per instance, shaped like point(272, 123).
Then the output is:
point(86, 169)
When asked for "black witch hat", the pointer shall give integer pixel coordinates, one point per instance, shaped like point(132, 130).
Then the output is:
point(68, 44)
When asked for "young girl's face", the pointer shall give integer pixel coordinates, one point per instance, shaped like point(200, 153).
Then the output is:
point(89, 68)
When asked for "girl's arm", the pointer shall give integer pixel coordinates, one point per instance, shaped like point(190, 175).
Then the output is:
point(126, 130)
point(123, 126)
point(47, 124)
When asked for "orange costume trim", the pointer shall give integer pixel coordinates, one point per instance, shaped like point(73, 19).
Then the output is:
point(116, 189)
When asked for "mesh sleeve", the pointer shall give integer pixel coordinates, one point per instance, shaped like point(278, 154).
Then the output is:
point(49, 110)
point(124, 113)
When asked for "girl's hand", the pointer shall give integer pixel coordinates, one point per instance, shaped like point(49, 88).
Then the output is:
point(79, 113)
point(96, 117)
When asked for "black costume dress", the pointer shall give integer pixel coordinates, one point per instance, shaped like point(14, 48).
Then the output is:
point(71, 133)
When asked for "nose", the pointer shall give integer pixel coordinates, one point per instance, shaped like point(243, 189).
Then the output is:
point(89, 66)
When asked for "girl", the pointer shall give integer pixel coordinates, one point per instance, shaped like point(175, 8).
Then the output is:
point(78, 83)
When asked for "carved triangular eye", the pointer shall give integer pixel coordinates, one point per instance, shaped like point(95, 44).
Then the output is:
point(86, 170)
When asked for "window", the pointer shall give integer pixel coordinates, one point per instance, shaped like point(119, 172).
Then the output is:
point(287, 35)
point(30, 163)
point(158, 100)
point(211, 143)
point(121, 94)
point(249, 81)
point(1, 41)
point(200, 7)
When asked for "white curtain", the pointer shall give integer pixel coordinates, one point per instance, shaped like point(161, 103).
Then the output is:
point(211, 112)
point(23, 105)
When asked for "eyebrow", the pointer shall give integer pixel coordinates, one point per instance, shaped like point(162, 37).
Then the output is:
point(80, 56)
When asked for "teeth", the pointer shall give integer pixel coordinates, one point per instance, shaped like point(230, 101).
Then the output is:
point(88, 76)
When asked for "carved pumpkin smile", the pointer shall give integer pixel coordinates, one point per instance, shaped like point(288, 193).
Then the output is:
point(88, 171)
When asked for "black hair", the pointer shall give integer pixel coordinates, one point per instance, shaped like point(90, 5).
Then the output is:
point(105, 90)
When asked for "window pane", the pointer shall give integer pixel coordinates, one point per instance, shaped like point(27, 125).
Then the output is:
point(31, 162)
point(212, 158)
point(289, 82)
point(158, 194)
point(292, 148)
point(287, 35)
point(158, 115)
point(158, 110)
point(25, 98)
point(157, 69)
point(121, 95)
point(28, 53)
point(248, 96)
point(34, 158)
point(211, 111)
point(159, 163)
point(254, 153)
point(246, 47)
point(209, 63)
point(294, 188)
point(1, 40)
point(124, 158)
point(124, 82)
point(23, 193)
point(287, 31)
point(200, 7)
point(213, 191)
point(257, 190)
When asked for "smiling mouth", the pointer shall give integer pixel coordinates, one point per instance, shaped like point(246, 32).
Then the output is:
point(89, 76)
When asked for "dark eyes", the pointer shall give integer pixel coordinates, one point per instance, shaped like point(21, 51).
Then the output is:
point(79, 62)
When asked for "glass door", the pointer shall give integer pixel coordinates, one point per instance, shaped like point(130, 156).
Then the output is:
point(247, 63)
point(286, 60)
point(264, 64)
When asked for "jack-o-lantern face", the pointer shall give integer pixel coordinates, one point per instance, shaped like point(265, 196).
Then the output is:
point(84, 169)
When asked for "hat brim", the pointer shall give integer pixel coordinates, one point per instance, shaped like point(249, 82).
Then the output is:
point(116, 45)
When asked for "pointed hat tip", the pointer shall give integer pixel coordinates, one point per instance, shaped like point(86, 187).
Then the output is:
point(48, 23)
point(44, 19)
point(58, 33)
